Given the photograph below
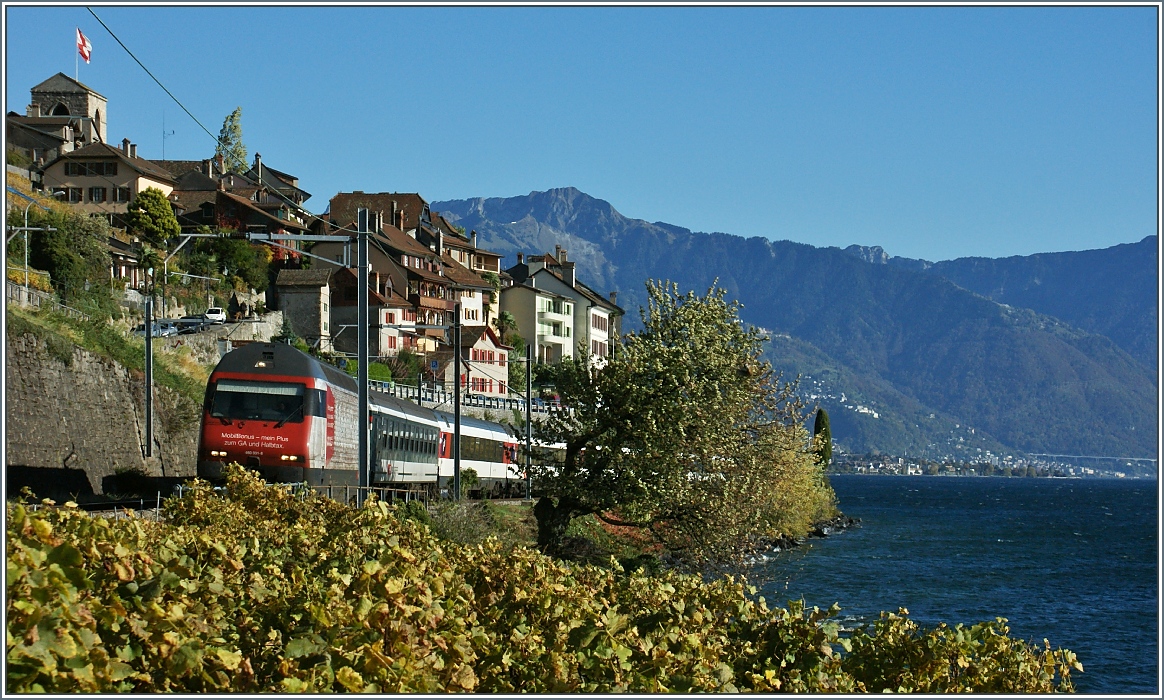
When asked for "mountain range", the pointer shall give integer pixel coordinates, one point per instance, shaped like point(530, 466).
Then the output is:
point(1053, 353)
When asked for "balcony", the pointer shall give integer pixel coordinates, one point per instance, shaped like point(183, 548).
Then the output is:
point(430, 302)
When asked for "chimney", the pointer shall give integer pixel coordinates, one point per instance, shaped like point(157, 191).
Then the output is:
point(375, 279)
point(125, 146)
point(520, 258)
point(33, 110)
point(208, 167)
point(220, 159)
point(473, 239)
point(557, 252)
point(400, 219)
point(562, 255)
point(614, 298)
point(133, 150)
point(440, 242)
point(568, 273)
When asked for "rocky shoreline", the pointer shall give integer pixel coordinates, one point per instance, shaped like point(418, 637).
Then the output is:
point(766, 548)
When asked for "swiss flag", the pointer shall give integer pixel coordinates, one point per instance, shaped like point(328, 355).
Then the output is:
point(83, 46)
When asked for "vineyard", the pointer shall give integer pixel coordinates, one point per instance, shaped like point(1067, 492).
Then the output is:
point(266, 590)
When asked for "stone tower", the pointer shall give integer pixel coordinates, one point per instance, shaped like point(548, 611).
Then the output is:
point(61, 96)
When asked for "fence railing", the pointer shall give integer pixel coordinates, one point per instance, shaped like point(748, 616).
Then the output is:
point(434, 397)
point(15, 294)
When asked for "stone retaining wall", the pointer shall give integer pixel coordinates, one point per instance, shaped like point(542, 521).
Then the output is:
point(76, 426)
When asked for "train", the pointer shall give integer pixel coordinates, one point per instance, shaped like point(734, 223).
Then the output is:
point(293, 419)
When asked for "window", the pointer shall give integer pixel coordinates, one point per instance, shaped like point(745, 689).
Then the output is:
point(96, 194)
point(501, 389)
point(325, 325)
point(122, 194)
point(501, 359)
point(90, 169)
point(75, 194)
point(598, 322)
point(390, 317)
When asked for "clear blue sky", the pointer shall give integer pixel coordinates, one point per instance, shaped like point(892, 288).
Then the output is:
point(933, 132)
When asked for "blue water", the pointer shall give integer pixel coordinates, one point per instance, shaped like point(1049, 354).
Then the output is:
point(1070, 560)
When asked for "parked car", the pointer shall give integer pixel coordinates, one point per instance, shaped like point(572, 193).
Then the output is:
point(193, 324)
point(217, 314)
point(161, 329)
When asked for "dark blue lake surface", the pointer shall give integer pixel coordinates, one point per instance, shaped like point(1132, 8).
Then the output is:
point(1070, 560)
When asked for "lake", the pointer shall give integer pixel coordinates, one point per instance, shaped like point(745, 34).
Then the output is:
point(1070, 560)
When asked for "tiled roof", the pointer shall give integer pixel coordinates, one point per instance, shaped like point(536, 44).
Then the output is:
point(599, 299)
point(303, 278)
point(400, 241)
point(188, 200)
point(462, 276)
point(104, 150)
point(471, 334)
point(426, 275)
point(343, 206)
point(242, 201)
point(192, 180)
point(177, 168)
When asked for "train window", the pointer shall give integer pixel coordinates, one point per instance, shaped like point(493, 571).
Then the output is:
point(316, 403)
point(269, 401)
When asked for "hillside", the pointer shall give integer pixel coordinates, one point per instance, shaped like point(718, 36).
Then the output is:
point(1028, 381)
point(1111, 291)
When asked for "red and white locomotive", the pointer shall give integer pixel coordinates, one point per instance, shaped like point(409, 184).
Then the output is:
point(293, 418)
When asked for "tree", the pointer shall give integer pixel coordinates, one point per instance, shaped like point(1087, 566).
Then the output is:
point(506, 325)
point(516, 368)
point(75, 253)
point(683, 434)
point(822, 438)
point(245, 263)
point(151, 216)
point(230, 143)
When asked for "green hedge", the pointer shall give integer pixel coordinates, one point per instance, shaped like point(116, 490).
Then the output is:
point(267, 590)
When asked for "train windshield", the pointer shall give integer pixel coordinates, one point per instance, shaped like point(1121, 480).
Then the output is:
point(270, 401)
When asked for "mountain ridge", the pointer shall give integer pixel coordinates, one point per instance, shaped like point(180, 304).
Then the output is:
point(1025, 380)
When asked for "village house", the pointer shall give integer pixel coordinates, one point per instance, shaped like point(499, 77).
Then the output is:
point(261, 200)
point(407, 268)
point(557, 312)
point(101, 179)
point(484, 364)
point(391, 319)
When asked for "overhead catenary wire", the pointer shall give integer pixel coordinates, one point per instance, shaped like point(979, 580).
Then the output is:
point(217, 141)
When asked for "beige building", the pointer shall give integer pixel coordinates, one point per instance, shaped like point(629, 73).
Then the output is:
point(544, 319)
point(101, 179)
point(552, 306)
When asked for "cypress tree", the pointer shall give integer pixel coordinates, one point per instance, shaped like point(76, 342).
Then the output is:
point(822, 436)
point(230, 143)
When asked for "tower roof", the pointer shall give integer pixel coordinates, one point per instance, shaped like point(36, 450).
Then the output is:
point(63, 83)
